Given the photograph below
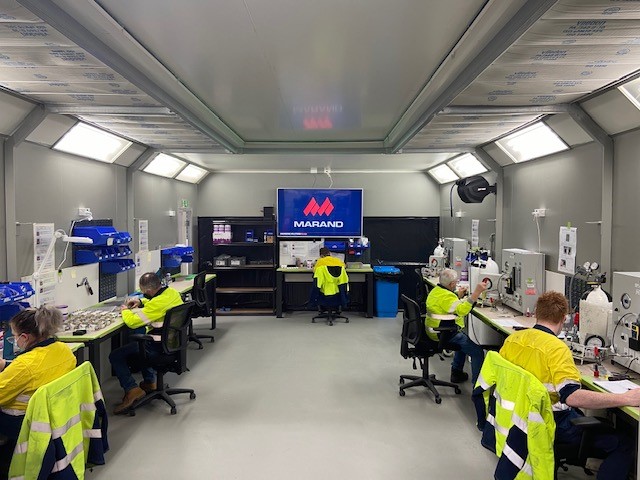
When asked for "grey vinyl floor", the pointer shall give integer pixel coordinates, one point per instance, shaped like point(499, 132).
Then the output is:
point(287, 399)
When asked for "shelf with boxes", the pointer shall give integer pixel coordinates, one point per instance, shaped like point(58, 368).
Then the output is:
point(109, 248)
point(242, 252)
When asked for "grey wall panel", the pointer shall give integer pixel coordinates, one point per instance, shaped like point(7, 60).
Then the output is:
point(461, 226)
point(3, 243)
point(154, 196)
point(51, 185)
point(568, 185)
point(626, 199)
point(390, 194)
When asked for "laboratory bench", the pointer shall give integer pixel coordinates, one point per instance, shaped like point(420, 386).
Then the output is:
point(293, 288)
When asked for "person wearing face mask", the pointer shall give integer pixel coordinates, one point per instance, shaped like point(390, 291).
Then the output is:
point(40, 359)
point(142, 315)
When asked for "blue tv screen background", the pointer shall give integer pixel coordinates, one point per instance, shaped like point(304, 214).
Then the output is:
point(316, 212)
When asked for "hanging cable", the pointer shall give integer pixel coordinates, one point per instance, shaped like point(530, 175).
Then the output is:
point(451, 199)
point(330, 178)
point(538, 225)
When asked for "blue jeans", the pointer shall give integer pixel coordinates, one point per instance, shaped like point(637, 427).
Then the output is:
point(119, 361)
point(467, 347)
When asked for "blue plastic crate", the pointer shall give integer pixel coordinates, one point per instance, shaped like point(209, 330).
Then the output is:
point(117, 266)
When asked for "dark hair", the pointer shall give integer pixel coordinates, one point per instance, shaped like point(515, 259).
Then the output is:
point(552, 307)
point(324, 251)
point(41, 322)
point(150, 281)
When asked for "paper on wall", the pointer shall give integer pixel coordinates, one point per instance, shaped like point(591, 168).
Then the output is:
point(475, 237)
point(567, 250)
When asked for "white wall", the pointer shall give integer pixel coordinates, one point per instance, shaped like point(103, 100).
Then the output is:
point(392, 194)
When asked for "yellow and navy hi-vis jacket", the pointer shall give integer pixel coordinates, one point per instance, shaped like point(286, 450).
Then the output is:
point(516, 419)
point(64, 429)
point(327, 283)
point(151, 315)
point(31, 369)
point(443, 304)
point(328, 261)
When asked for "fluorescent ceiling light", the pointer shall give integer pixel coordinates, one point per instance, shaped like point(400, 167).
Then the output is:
point(443, 174)
point(532, 142)
point(164, 165)
point(466, 165)
point(192, 174)
point(631, 90)
point(87, 141)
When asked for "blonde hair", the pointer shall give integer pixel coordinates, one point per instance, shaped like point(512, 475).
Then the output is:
point(42, 322)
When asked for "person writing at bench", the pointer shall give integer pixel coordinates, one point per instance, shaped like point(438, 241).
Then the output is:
point(540, 352)
point(327, 259)
point(40, 359)
point(444, 304)
point(142, 315)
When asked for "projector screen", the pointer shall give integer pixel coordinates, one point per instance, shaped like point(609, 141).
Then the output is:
point(317, 212)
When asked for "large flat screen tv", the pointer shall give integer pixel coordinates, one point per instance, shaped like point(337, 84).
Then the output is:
point(319, 212)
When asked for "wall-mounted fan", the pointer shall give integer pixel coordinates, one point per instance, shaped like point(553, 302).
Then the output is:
point(474, 189)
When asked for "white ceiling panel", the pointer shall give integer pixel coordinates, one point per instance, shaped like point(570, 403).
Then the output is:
point(613, 111)
point(289, 70)
point(568, 129)
point(16, 34)
point(51, 129)
point(14, 110)
point(595, 9)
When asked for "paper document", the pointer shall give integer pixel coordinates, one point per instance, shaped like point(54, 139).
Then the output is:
point(508, 322)
point(619, 386)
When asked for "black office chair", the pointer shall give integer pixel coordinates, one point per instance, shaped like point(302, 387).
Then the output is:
point(330, 306)
point(174, 339)
point(415, 344)
point(202, 307)
point(422, 291)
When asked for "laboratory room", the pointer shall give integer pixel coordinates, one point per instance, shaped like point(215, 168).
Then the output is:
point(319, 240)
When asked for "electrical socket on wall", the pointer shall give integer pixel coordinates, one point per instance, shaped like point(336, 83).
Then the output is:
point(84, 212)
point(539, 212)
point(327, 169)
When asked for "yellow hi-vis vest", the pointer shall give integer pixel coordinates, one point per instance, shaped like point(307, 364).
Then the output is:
point(153, 310)
point(327, 283)
point(515, 415)
point(443, 304)
point(63, 430)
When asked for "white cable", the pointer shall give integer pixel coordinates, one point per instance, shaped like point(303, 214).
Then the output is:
point(538, 225)
point(329, 175)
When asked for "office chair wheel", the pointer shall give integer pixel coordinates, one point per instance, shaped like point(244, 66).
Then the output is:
point(173, 410)
point(438, 400)
point(458, 391)
point(192, 396)
point(132, 412)
point(401, 392)
point(346, 321)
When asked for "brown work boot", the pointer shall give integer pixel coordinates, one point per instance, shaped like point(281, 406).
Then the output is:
point(136, 393)
point(148, 387)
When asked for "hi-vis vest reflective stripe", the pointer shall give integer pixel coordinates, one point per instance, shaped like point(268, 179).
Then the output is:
point(514, 412)
point(443, 304)
point(65, 424)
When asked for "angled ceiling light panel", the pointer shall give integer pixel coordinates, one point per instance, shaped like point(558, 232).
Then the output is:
point(532, 142)
point(164, 165)
point(87, 141)
point(443, 174)
point(466, 165)
point(631, 90)
point(192, 174)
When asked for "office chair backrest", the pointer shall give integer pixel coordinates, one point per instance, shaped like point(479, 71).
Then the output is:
point(199, 292)
point(421, 291)
point(412, 326)
point(175, 329)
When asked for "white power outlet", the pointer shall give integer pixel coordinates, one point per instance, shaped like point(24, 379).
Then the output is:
point(539, 212)
point(84, 212)
point(327, 169)
point(625, 351)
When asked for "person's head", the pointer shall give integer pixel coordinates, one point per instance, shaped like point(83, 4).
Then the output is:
point(150, 284)
point(324, 252)
point(33, 325)
point(551, 309)
point(449, 278)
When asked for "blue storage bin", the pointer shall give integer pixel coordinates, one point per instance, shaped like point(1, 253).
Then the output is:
point(172, 257)
point(14, 292)
point(386, 290)
point(117, 266)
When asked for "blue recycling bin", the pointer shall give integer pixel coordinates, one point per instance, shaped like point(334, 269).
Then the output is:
point(387, 281)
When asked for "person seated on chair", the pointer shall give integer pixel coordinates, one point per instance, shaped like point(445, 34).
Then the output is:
point(327, 259)
point(142, 315)
point(40, 359)
point(540, 352)
point(444, 304)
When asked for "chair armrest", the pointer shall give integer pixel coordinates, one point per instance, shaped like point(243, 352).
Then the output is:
point(587, 422)
point(142, 340)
